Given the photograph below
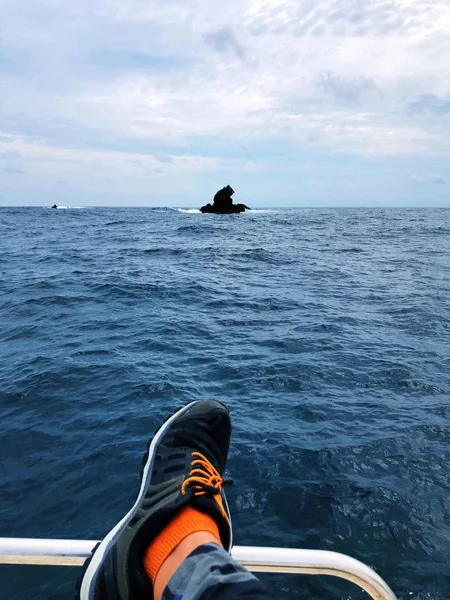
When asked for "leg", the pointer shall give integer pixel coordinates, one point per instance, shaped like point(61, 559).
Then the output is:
point(175, 540)
point(178, 560)
point(210, 573)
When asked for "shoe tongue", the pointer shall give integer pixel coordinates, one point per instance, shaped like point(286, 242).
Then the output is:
point(202, 444)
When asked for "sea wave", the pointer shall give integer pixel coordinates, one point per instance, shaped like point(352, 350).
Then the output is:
point(326, 332)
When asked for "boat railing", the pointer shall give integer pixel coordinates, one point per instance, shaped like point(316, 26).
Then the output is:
point(72, 553)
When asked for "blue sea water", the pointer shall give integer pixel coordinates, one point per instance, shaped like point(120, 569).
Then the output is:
point(327, 333)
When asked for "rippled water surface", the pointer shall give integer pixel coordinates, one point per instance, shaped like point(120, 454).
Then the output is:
point(327, 333)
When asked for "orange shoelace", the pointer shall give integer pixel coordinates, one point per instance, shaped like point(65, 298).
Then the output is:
point(204, 479)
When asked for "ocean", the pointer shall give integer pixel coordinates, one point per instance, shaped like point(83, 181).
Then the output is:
point(325, 331)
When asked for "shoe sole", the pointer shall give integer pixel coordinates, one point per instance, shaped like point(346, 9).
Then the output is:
point(87, 588)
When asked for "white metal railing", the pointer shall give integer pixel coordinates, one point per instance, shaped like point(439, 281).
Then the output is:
point(29, 551)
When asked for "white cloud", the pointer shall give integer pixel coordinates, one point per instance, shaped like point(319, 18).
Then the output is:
point(11, 161)
point(435, 178)
point(239, 79)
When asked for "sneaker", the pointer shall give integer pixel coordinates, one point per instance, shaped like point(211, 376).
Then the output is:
point(183, 465)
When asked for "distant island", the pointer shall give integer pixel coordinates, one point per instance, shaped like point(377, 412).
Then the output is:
point(223, 203)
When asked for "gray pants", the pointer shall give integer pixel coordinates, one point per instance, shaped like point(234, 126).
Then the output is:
point(210, 573)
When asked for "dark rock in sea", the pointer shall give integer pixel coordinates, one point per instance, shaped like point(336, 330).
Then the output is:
point(54, 206)
point(234, 208)
point(223, 203)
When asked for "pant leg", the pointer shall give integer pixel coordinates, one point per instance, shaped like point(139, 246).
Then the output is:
point(209, 573)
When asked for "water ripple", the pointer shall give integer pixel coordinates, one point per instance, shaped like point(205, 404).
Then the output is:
point(327, 332)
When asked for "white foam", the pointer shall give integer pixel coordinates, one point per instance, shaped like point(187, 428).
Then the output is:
point(251, 211)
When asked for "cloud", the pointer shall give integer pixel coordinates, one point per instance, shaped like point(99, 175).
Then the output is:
point(135, 61)
point(256, 81)
point(11, 162)
point(350, 91)
point(430, 103)
point(312, 136)
point(435, 178)
point(162, 157)
point(224, 40)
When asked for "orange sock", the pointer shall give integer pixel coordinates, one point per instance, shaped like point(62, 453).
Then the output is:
point(187, 521)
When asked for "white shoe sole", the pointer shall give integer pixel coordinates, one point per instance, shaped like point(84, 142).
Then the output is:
point(88, 584)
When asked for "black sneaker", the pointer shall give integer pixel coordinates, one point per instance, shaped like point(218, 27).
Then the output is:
point(183, 465)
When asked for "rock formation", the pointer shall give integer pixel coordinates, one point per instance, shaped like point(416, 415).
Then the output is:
point(223, 203)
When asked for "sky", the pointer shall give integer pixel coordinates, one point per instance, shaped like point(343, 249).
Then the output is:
point(292, 102)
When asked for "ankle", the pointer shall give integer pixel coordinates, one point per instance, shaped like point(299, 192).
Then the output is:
point(188, 529)
point(177, 556)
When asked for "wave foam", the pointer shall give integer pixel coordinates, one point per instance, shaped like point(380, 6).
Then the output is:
point(251, 211)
